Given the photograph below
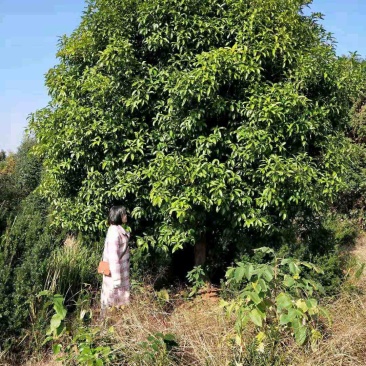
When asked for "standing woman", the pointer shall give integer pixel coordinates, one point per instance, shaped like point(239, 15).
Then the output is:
point(116, 287)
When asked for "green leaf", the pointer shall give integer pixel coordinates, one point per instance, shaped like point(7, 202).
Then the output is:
point(264, 250)
point(283, 301)
point(61, 311)
point(288, 281)
point(56, 348)
point(285, 319)
point(268, 273)
point(99, 362)
point(55, 322)
point(294, 268)
point(300, 332)
point(169, 337)
point(301, 304)
point(239, 273)
point(311, 303)
point(311, 266)
point(60, 329)
point(252, 296)
point(47, 339)
point(249, 271)
point(256, 317)
point(44, 293)
point(262, 285)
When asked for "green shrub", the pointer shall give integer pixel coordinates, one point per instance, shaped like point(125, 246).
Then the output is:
point(351, 200)
point(81, 344)
point(319, 241)
point(197, 278)
point(157, 350)
point(278, 299)
point(343, 229)
point(20, 174)
point(28, 168)
point(272, 355)
point(25, 250)
point(8, 199)
point(326, 245)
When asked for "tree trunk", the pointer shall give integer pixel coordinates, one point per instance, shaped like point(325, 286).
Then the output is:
point(200, 251)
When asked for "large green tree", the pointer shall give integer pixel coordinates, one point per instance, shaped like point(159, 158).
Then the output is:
point(206, 118)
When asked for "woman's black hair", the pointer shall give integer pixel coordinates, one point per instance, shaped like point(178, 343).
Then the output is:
point(115, 215)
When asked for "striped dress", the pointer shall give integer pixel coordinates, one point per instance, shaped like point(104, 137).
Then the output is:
point(116, 253)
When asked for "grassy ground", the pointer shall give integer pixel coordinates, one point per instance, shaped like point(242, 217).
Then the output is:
point(346, 341)
point(205, 334)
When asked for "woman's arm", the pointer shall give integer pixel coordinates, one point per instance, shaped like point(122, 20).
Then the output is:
point(114, 255)
point(124, 236)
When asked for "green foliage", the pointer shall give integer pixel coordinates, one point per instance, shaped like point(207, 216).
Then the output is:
point(89, 349)
point(148, 263)
point(25, 249)
point(57, 326)
point(85, 347)
point(326, 245)
point(198, 115)
point(197, 278)
point(73, 265)
point(28, 168)
point(275, 294)
point(344, 230)
point(351, 201)
point(163, 296)
point(273, 354)
point(157, 348)
point(19, 175)
point(87, 344)
point(8, 192)
point(321, 241)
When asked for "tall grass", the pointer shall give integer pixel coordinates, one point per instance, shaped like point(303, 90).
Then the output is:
point(71, 267)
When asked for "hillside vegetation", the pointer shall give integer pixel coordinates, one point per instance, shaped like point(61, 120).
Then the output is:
point(235, 136)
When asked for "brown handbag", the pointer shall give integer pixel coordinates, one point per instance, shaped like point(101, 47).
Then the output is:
point(104, 269)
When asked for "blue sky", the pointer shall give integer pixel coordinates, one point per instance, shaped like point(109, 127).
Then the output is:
point(29, 31)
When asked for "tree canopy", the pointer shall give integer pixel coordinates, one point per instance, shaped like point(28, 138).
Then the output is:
point(204, 117)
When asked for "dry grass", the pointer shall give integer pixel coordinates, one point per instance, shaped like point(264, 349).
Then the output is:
point(200, 327)
point(203, 332)
point(47, 361)
point(346, 343)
